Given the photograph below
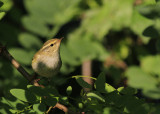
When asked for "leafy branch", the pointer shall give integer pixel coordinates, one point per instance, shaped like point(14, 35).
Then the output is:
point(26, 75)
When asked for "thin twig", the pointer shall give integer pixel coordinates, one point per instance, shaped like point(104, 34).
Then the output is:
point(4, 51)
point(49, 109)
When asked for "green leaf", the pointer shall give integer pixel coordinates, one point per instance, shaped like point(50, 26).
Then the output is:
point(52, 91)
point(127, 90)
point(113, 98)
point(2, 15)
point(8, 34)
point(29, 41)
point(82, 83)
point(80, 105)
point(22, 55)
point(64, 100)
point(7, 5)
point(157, 0)
point(37, 90)
point(124, 51)
point(11, 102)
point(13, 111)
point(39, 108)
point(154, 93)
point(129, 102)
point(67, 56)
point(109, 88)
point(151, 31)
point(23, 95)
point(51, 11)
point(137, 78)
point(95, 20)
point(69, 90)
point(158, 45)
point(100, 51)
point(82, 49)
point(112, 110)
point(36, 25)
point(50, 101)
point(107, 110)
point(95, 95)
point(1, 4)
point(150, 11)
point(100, 82)
point(137, 19)
point(151, 64)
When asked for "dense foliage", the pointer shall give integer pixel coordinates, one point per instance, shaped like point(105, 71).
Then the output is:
point(120, 37)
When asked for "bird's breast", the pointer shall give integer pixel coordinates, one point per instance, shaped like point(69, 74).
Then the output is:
point(47, 66)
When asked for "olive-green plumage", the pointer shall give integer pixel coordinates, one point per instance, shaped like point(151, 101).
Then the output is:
point(47, 61)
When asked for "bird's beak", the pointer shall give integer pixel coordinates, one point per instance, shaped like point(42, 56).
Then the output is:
point(61, 38)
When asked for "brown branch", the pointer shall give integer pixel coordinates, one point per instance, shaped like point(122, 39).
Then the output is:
point(61, 107)
point(4, 51)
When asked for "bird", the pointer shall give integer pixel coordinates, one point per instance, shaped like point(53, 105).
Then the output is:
point(47, 61)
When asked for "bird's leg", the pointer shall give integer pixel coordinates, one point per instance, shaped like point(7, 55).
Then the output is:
point(35, 77)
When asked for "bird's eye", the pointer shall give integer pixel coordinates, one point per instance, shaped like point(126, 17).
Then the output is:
point(51, 45)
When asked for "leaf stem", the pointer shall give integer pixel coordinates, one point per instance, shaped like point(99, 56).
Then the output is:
point(84, 76)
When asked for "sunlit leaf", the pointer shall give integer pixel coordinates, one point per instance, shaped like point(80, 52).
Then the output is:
point(39, 108)
point(69, 90)
point(13, 103)
point(109, 88)
point(13, 111)
point(23, 95)
point(80, 105)
point(96, 95)
point(127, 90)
point(7, 4)
point(2, 14)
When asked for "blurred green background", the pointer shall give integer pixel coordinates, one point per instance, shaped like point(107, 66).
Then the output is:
point(119, 37)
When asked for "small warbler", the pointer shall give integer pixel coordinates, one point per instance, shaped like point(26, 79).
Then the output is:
point(47, 61)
